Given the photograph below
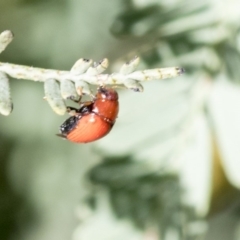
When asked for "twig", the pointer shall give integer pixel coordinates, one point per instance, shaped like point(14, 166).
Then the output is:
point(41, 74)
point(83, 73)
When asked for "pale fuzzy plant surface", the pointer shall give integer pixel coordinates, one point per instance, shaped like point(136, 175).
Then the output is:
point(75, 82)
point(165, 130)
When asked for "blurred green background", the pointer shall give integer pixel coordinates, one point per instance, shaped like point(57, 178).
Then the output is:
point(169, 169)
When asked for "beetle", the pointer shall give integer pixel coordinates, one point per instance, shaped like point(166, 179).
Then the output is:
point(94, 119)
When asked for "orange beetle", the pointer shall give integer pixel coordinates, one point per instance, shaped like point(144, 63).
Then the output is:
point(93, 120)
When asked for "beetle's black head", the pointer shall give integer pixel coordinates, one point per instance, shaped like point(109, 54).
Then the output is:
point(107, 93)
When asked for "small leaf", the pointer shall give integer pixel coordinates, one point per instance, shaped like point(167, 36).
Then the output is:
point(5, 38)
point(81, 66)
point(6, 105)
point(99, 67)
point(53, 96)
point(68, 89)
point(82, 87)
point(130, 66)
point(134, 85)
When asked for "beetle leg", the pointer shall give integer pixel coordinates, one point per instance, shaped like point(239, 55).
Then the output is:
point(87, 103)
point(72, 111)
point(78, 101)
point(61, 135)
